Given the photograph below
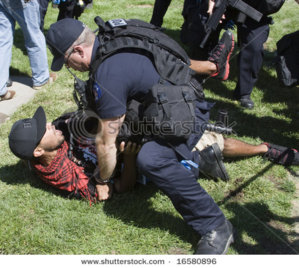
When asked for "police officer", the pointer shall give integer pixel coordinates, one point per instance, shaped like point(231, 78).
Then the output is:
point(130, 75)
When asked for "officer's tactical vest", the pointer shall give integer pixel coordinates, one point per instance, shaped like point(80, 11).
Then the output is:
point(171, 62)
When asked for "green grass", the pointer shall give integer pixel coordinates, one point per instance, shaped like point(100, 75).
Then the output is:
point(35, 219)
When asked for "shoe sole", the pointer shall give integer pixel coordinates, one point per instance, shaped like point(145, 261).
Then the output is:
point(219, 161)
point(229, 241)
point(226, 74)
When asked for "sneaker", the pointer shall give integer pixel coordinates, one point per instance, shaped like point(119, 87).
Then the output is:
point(8, 95)
point(282, 155)
point(216, 241)
point(51, 79)
point(220, 55)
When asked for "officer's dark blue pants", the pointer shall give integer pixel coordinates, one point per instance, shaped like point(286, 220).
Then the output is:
point(160, 164)
point(252, 36)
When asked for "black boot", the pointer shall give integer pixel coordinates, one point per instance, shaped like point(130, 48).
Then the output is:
point(210, 163)
point(216, 241)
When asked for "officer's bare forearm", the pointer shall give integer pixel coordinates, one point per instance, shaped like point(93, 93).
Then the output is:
point(105, 144)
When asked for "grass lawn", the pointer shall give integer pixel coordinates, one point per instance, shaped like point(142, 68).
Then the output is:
point(35, 219)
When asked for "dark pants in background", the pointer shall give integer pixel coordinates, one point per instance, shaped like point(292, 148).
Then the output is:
point(43, 6)
point(252, 36)
point(67, 9)
point(159, 11)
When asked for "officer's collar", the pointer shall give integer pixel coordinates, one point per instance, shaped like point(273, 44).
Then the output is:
point(96, 44)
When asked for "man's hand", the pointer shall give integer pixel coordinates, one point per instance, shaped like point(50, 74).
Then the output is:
point(128, 176)
point(129, 149)
point(104, 191)
point(211, 7)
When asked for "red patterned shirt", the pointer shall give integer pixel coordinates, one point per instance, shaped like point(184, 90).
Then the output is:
point(64, 174)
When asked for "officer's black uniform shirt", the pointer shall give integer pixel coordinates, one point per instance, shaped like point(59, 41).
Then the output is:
point(120, 78)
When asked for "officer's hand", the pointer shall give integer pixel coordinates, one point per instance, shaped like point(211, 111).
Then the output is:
point(104, 191)
point(130, 148)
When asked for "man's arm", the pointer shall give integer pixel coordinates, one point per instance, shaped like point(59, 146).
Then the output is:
point(129, 172)
point(105, 145)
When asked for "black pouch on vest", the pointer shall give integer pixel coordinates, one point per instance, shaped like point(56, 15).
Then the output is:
point(132, 129)
point(169, 112)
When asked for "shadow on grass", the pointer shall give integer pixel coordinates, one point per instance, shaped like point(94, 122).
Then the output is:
point(20, 174)
point(15, 72)
point(267, 128)
point(19, 41)
point(135, 208)
point(258, 223)
point(132, 208)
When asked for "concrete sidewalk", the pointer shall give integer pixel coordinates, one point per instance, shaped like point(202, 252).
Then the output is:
point(24, 93)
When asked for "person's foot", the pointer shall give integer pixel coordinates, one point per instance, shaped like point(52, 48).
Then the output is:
point(245, 101)
point(8, 95)
point(282, 155)
point(211, 164)
point(9, 82)
point(216, 241)
point(51, 79)
point(220, 55)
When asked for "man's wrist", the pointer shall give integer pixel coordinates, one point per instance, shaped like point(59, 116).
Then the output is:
point(99, 180)
point(104, 182)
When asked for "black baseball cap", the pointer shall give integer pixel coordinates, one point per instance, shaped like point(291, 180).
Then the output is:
point(61, 35)
point(26, 134)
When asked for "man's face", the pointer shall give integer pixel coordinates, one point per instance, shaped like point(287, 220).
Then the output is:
point(52, 139)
